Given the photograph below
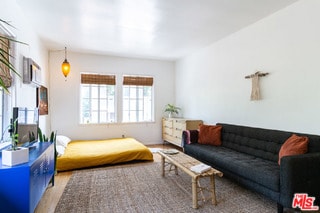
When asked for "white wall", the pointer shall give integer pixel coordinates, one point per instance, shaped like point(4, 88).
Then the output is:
point(64, 95)
point(210, 83)
point(23, 95)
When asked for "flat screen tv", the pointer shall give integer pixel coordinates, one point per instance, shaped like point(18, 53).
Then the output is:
point(27, 122)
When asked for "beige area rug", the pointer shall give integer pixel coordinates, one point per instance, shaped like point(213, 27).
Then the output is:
point(141, 188)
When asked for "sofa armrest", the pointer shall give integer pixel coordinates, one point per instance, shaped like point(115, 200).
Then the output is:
point(189, 136)
point(299, 174)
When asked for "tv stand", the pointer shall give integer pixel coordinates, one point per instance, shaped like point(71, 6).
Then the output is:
point(22, 186)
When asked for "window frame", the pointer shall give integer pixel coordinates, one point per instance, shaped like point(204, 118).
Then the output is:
point(98, 82)
point(2, 114)
point(138, 81)
point(6, 105)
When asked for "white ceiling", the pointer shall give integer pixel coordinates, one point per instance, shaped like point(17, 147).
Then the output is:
point(160, 29)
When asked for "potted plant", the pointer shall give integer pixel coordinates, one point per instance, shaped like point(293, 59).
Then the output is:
point(5, 57)
point(14, 155)
point(53, 139)
point(44, 138)
point(172, 110)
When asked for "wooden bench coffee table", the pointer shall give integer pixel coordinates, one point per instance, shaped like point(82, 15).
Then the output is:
point(177, 159)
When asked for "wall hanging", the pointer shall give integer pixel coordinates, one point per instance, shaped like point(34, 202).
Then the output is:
point(255, 90)
point(42, 100)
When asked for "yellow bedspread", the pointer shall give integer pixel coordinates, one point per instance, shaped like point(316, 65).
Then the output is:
point(81, 154)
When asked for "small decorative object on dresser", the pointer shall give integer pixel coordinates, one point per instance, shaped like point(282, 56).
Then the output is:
point(172, 128)
point(172, 110)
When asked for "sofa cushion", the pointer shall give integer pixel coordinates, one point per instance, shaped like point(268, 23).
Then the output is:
point(294, 145)
point(258, 170)
point(210, 134)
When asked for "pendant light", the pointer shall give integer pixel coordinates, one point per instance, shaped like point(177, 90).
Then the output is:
point(65, 65)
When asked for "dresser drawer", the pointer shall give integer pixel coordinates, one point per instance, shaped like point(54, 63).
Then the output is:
point(167, 131)
point(181, 125)
point(167, 124)
point(177, 133)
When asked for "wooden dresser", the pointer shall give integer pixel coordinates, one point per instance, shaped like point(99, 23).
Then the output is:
point(172, 128)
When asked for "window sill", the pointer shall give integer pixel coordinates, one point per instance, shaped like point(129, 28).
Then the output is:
point(117, 123)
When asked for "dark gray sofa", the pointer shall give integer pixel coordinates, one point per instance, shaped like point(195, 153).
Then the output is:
point(249, 156)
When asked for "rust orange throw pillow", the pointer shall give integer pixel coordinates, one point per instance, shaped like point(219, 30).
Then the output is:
point(294, 145)
point(210, 134)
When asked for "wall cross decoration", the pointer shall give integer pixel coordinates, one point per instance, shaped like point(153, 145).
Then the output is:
point(255, 90)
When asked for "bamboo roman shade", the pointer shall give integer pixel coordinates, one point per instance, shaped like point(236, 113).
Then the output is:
point(98, 79)
point(137, 80)
point(4, 61)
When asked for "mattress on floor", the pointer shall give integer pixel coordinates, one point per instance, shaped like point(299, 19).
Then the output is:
point(89, 153)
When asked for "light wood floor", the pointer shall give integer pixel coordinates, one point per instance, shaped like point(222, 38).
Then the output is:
point(52, 195)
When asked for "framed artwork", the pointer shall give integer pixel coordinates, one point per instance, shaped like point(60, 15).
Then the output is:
point(42, 100)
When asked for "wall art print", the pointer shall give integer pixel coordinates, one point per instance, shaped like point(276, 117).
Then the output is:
point(42, 100)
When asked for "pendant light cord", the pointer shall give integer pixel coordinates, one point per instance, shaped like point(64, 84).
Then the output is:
point(65, 52)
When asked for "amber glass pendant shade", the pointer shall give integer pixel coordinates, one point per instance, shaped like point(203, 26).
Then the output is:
point(65, 68)
point(65, 65)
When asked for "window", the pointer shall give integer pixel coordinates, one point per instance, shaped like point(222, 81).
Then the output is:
point(1, 115)
point(5, 63)
point(137, 100)
point(97, 98)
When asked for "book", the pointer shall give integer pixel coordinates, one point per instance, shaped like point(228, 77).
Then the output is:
point(200, 168)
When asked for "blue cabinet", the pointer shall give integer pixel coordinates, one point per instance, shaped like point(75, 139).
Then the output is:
point(22, 186)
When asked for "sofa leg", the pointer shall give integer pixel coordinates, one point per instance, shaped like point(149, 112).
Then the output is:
point(280, 208)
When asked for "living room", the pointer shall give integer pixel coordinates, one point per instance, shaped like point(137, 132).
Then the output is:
point(208, 84)
point(280, 44)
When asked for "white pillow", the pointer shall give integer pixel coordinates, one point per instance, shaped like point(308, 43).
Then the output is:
point(62, 140)
point(60, 150)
